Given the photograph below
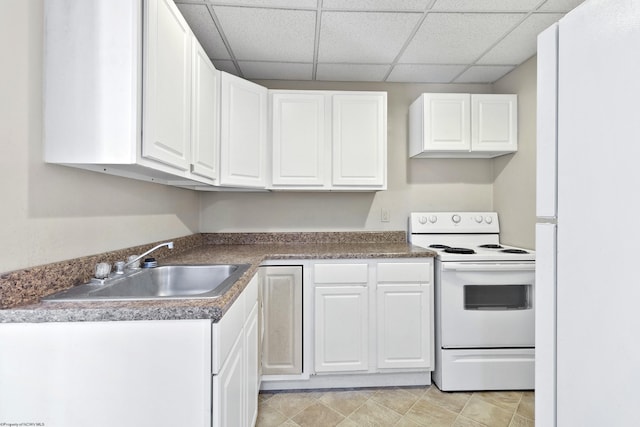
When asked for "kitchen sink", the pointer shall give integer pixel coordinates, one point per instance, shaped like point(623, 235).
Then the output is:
point(159, 283)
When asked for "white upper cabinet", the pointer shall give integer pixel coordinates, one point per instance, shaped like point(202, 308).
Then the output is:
point(328, 140)
point(494, 123)
point(205, 116)
point(167, 85)
point(125, 107)
point(463, 125)
point(440, 122)
point(243, 133)
point(359, 140)
point(299, 122)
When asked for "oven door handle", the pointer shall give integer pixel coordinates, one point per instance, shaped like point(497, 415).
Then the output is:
point(486, 266)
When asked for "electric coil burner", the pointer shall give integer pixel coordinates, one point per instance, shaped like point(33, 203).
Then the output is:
point(484, 293)
point(465, 251)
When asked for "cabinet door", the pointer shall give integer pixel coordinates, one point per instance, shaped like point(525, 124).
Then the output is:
point(243, 132)
point(205, 115)
point(251, 363)
point(494, 123)
point(341, 335)
point(229, 389)
point(359, 140)
point(404, 326)
point(282, 344)
point(298, 139)
point(446, 122)
point(167, 85)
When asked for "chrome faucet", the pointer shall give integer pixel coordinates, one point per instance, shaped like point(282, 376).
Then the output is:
point(167, 244)
point(120, 267)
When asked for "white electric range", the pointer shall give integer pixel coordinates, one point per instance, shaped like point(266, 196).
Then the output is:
point(484, 294)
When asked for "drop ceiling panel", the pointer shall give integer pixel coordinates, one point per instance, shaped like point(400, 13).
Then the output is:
point(409, 73)
point(268, 34)
point(276, 70)
point(520, 44)
point(397, 5)
point(560, 5)
point(485, 5)
point(203, 27)
point(455, 38)
point(364, 37)
point(351, 73)
point(293, 4)
point(484, 74)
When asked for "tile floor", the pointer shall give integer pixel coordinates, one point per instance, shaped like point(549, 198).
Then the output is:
point(395, 406)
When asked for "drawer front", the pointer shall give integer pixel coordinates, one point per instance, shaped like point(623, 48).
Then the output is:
point(400, 272)
point(341, 273)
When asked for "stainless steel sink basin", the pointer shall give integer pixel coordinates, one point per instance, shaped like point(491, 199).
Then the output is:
point(159, 283)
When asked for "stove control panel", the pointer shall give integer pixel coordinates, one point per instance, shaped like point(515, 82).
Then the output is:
point(453, 222)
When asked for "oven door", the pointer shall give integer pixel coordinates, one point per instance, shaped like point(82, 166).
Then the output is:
point(487, 305)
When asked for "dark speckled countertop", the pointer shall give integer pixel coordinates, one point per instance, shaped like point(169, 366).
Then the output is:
point(222, 249)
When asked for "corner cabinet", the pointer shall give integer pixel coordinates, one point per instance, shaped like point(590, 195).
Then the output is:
point(328, 140)
point(205, 116)
point(126, 107)
point(450, 125)
point(167, 55)
point(373, 316)
point(149, 104)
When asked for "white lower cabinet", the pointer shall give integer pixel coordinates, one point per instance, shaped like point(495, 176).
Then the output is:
point(236, 387)
point(373, 316)
point(229, 389)
point(133, 373)
point(404, 299)
point(235, 362)
point(403, 330)
point(342, 329)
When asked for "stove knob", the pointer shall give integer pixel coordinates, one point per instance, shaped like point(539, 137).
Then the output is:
point(456, 218)
point(433, 219)
point(488, 220)
point(422, 220)
point(478, 219)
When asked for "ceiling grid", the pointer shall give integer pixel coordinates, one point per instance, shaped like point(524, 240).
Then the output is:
point(413, 41)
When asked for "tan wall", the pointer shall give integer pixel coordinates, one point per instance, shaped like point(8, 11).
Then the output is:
point(416, 184)
point(514, 188)
point(51, 213)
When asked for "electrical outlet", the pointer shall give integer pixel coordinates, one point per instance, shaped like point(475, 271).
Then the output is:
point(385, 215)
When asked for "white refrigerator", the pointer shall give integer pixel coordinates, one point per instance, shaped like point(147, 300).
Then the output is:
point(588, 208)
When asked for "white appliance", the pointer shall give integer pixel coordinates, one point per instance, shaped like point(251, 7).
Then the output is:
point(587, 323)
point(484, 302)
